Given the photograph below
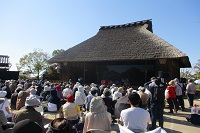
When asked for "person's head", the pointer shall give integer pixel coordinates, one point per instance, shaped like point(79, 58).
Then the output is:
point(190, 80)
point(157, 81)
point(142, 89)
point(106, 92)
point(129, 90)
point(70, 98)
point(153, 79)
point(176, 80)
point(32, 91)
point(120, 89)
point(7, 83)
point(133, 98)
point(60, 125)
point(18, 89)
point(53, 92)
point(93, 91)
point(27, 126)
point(32, 101)
point(171, 83)
point(97, 105)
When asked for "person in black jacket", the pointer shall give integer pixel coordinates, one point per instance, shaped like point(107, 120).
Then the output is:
point(54, 98)
point(7, 89)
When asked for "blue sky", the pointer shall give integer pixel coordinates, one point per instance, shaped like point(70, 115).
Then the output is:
point(26, 25)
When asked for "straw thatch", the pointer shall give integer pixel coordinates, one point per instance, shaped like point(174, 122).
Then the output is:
point(132, 41)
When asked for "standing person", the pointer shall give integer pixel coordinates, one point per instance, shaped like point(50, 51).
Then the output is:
point(80, 96)
point(190, 91)
point(179, 93)
point(26, 84)
point(144, 97)
point(13, 86)
point(7, 89)
point(39, 89)
point(131, 117)
point(172, 97)
point(157, 99)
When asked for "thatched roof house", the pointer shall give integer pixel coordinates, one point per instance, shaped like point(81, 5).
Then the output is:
point(127, 44)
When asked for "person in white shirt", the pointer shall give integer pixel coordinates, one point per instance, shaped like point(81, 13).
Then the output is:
point(67, 91)
point(117, 94)
point(179, 93)
point(134, 118)
point(190, 91)
point(4, 104)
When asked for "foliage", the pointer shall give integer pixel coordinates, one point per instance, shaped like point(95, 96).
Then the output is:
point(197, 68)
point(58, 51)
point(51, 73)
point(34, 63)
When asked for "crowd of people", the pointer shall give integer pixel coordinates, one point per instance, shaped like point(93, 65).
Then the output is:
point(91, 106)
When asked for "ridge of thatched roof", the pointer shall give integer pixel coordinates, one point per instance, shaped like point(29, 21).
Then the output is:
point(132, 41)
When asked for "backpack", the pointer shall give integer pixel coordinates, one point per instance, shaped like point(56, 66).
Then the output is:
point(158, 93)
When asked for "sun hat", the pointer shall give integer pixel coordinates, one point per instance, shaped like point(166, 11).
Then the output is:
point(31, 101)
point(70, 98)
point(3, 94)
point(32, 91)
point(20, 85)
point(25, 126)
point(97, 105)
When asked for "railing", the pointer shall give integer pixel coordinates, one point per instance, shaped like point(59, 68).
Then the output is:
point(4, 62)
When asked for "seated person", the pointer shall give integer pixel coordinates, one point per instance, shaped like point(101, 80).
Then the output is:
point(29, 112)
point(27, 126)
point(3, 122)
point(22, 95)
point(4, 105)
point(13, 99)
point(98, 117)
point(59, 125)
point(54, 103)
point(89, 97)
point(134, 118)
point(70, 110)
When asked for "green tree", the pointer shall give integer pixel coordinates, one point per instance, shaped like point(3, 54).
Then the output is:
point(58, 51)
point(34, 63)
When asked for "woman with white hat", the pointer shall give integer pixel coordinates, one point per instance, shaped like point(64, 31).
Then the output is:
point(98, 118)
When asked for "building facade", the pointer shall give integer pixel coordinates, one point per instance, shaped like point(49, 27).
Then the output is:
point(122, 53)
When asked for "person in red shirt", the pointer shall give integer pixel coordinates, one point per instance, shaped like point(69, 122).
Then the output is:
point(173, 104)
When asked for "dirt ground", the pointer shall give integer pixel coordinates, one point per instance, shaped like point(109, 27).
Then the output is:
point(173, 123)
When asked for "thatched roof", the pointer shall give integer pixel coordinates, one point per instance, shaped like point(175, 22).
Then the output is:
point(132, 41)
